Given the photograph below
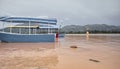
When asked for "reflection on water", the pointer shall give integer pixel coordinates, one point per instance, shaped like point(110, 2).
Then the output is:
point(101, 47)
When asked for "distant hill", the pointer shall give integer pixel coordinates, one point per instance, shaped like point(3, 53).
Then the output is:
point(93, 28)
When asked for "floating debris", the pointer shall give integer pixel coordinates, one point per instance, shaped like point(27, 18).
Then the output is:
point(73, 46)
point(94, 60)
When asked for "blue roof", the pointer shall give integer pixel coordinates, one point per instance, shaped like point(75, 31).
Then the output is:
point(29, 19)
point(50, 26)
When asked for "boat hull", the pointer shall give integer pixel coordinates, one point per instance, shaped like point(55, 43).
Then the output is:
point(7, 37)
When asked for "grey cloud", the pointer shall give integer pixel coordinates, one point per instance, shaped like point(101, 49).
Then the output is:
point(79, 12)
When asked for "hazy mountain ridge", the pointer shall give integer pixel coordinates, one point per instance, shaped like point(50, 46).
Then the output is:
point(92, 27)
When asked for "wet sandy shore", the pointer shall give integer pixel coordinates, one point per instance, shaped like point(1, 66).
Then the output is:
point(94, 52)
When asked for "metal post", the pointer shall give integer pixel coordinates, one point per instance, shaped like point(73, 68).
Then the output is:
point(58, 29)
point(35, 30)
point(39, 30)
point(48, 29)
point(29, 28)
point(51, 30)
point(11, 28)
point(3, 26)
point(19, 30)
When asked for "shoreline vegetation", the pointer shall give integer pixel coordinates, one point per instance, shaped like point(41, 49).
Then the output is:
point(92, 29)
point(92, 32)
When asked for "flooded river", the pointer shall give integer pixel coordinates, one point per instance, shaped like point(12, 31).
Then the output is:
point(100, 51)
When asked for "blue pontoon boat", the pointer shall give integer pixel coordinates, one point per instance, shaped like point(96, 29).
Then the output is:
point(47, 25)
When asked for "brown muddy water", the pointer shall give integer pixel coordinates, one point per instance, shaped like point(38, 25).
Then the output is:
point(101, 51)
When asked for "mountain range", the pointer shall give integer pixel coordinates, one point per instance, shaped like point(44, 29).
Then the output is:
point(93, 28)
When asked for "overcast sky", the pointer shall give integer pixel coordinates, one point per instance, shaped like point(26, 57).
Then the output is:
point(78, 12)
